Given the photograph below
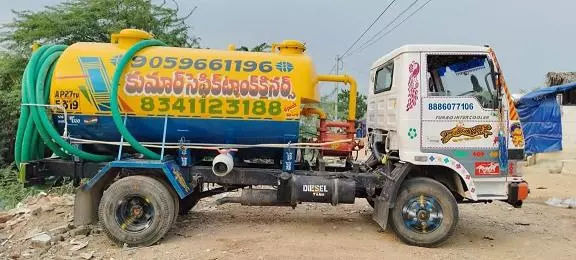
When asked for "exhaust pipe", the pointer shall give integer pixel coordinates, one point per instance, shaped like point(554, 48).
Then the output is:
point(222, 164)
point(255, 197)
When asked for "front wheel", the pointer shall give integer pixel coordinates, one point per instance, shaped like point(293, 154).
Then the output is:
point(137, 210)
point(425, 213)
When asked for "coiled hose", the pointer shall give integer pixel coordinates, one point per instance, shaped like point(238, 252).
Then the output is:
point(35, 129)
point(126, 58)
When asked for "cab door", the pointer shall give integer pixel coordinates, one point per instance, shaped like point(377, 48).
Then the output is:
point(460, 118)
point(382, 100)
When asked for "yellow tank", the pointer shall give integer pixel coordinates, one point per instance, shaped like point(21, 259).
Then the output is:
point(208, 95)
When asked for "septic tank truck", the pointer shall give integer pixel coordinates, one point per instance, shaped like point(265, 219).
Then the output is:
point(146, 130)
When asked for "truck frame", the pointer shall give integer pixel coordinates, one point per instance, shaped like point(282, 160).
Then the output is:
point(433, 145)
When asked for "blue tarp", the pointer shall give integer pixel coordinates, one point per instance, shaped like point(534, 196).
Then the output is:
point(540, 117)
point(463, 66)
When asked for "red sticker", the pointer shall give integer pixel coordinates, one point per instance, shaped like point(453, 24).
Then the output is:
point(486, 168)
point(478, 154)
point(511, 169)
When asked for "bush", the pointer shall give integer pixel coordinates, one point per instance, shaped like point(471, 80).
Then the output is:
point(9, 113)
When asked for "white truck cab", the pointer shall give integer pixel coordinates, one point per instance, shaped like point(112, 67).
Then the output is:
point(442, 108)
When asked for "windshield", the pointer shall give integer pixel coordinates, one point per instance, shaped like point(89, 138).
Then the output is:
point(462, 76)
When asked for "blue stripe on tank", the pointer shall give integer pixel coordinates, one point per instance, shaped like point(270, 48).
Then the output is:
point(195, 130)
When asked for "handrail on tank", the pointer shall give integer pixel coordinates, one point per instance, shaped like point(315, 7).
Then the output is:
point(346, 79)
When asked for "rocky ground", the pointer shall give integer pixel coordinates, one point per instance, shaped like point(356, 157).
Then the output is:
point(41, 228)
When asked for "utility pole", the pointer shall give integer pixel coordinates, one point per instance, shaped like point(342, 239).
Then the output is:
point(337, 88)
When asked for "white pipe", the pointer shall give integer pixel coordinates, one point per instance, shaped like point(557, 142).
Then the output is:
point(222, 164)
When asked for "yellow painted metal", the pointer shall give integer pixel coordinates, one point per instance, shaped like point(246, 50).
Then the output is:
point(35, 46)
point(290, 47)
point(128, 37)
point(307, 111)
point(184, 82)
point(353, 90)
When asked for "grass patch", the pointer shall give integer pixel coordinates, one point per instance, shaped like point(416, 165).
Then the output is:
point(11, 190)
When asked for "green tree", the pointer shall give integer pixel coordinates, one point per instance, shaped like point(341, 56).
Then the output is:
point(70, 22)
point(11, 68)
point(328, 105)
point(94, 21)
point(343, 98)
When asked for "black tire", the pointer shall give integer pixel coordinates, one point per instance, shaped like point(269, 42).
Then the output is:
point(425, 213)
point(137, 210)
point(175, 196)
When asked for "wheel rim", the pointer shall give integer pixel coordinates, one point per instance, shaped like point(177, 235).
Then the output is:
point(422, 214)
point(134, 213)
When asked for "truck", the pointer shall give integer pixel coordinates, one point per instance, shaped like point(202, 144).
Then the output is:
point(145, 131)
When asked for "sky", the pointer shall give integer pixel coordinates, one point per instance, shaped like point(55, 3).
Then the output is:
point(530, 38)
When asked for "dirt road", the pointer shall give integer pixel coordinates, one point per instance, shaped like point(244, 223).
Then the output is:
point(315, 231)
point(347, 232)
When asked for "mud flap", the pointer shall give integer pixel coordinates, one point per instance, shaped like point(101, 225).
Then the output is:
point(381, 209)
point(87, 200)
point(392, 181)
point(86, 206)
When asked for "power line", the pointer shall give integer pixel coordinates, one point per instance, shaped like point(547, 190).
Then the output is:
point(333, 67)
point(396, 26)
point(369, 27)
point(383, 29)
point(339, 57)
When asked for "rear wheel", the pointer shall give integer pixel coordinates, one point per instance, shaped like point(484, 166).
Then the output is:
point(137, 210)
point(176, 199)
point(425, 213)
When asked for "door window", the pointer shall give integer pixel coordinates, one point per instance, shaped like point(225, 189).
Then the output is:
point(384, 78)
point(462, 76)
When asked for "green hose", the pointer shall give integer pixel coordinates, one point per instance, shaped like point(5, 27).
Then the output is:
point(35, 130)
point(126, 58)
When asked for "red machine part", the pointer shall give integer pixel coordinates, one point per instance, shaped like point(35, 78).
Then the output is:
point(343, 131)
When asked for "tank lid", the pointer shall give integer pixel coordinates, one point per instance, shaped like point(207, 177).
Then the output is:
point(135, 33)
point(129, 37)
point(291, 47)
